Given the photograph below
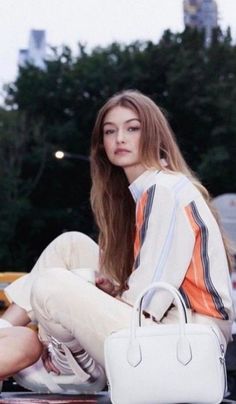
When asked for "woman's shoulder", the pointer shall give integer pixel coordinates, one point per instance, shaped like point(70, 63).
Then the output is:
point(165, 182)
point(176, 185)
point(171, 179)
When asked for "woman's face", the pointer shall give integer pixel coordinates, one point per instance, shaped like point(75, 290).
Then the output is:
point(121, 138)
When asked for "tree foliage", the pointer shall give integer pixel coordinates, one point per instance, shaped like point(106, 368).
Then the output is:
point(55, 109)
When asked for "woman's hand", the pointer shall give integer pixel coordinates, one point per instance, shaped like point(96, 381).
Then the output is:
point(106, 285)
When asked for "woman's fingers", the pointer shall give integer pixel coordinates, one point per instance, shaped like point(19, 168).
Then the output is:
point(105, 284)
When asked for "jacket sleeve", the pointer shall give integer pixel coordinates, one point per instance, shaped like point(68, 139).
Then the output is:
point(166, 246)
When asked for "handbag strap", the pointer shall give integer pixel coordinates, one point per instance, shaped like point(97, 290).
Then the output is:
point(134, 354)
point(179, 301)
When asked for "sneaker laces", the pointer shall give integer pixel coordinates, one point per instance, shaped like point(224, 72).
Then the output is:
point(67, 362)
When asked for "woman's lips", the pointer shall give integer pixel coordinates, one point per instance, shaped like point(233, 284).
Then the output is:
point(121, 151)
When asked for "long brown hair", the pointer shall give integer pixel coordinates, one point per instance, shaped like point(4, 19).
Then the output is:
point(111, 201)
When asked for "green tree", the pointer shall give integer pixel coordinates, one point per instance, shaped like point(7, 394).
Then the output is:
point(194, 84)
point(19, 147)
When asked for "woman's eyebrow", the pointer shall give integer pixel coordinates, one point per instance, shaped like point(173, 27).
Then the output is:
point(107, 123)
point(128, 120)
point(132, 119)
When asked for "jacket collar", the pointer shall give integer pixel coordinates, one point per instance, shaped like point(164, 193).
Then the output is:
point(142, 183)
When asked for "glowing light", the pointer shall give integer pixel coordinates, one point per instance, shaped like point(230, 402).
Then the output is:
point(59, 154)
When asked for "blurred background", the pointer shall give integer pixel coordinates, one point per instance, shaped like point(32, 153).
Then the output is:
point(60, 60)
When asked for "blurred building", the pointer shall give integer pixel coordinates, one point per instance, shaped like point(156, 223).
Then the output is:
point(201, 14)
point(36, 51)
point(226, 207)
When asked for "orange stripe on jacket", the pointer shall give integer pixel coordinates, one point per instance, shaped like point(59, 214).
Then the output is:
point(194, 284)
point(139, 222)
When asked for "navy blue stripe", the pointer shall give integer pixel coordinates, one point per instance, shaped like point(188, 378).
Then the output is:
point(146, 214)
point(185, 297)
point(206, 265)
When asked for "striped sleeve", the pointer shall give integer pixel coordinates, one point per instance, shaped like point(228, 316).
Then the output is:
point(198, 286)
point(163, 247)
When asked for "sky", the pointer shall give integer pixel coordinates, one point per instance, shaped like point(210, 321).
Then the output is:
point(92, 22)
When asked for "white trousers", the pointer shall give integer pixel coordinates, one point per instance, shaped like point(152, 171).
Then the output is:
point(66, 306)
point(71, 309)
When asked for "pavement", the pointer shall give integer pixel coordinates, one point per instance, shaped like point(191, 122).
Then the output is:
point(30, 398)
point(33, 398)
point(12, 393)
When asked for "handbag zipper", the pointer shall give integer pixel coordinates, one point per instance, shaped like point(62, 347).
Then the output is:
point(222, 361)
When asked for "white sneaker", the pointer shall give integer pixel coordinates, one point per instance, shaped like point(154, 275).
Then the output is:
point(80, 374)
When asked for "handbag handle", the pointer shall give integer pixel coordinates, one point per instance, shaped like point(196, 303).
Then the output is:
point(134, 355)
point(180, 303)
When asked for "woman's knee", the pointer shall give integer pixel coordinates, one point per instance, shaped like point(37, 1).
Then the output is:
point(50, 284)
point(76, 250)
point(74, 239)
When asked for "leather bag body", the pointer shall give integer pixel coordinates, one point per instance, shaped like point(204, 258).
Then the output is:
point(165, 363)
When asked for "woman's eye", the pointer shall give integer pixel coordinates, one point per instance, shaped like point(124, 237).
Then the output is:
point(133, 128)
point(108, 131)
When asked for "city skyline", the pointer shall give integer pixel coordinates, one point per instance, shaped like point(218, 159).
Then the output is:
point(201, 14)
point(35, 53)
point(90, 23)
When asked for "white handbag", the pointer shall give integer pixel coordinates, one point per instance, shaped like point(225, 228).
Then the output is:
point(165, 363)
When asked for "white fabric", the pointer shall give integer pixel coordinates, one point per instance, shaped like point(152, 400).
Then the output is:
point(174, 363)
point(69, 308)
point(71, 250)
point(167, 249)
point(100, 315)
point(4, 323)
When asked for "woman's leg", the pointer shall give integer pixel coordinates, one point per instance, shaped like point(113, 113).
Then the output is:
point(71, 309)
point(74, 319)
point(19, 348)
point(70, 250)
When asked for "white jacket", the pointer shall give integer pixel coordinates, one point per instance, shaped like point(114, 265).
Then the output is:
point(178, 241)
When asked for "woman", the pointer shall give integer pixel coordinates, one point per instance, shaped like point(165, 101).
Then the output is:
point(155, 224)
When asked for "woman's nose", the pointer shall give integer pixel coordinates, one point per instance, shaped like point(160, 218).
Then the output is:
point(120, 136)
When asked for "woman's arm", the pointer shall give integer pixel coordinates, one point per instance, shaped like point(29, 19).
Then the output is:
point(164, 248)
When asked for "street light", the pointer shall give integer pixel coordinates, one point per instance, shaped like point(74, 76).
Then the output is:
point(60, 154)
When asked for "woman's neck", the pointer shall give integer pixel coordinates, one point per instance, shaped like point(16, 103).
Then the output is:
point(132, 173)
